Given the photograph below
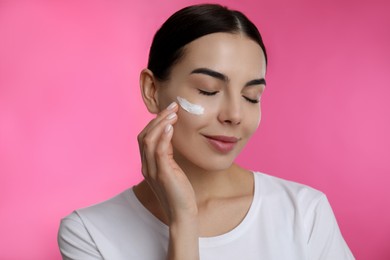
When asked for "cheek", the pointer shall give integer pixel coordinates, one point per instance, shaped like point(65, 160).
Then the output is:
point(252, 122)
point(189, 123)
point(196, 107)
point(258, 119)
point(188, 127)
point(185, 131)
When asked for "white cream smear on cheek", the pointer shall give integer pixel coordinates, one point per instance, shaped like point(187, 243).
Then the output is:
point(189, 107)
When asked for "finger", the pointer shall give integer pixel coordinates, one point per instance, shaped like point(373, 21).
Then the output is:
point(173, 107)
point(144, 166)
point(164, 151)
point(151, 140)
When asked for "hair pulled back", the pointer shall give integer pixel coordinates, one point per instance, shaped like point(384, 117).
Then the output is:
point(190, 23)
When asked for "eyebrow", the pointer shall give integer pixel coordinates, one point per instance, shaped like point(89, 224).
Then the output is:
point(220, 76)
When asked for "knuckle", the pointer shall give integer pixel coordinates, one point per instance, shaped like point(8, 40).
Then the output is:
point(147, 141)
point(139, 137)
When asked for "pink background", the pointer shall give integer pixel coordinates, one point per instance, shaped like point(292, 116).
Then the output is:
point(70, 110)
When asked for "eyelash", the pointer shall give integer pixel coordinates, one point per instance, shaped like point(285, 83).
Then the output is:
point(254, 101)
point(206, 93)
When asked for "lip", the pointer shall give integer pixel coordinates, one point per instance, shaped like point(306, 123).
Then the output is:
point(222, 144)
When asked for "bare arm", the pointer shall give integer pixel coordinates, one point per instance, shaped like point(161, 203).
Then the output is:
point(183, 240)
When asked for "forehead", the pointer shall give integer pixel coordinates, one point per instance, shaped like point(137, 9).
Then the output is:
point(233, 54)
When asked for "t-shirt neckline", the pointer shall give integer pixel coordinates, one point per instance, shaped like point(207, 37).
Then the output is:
point(204, 242)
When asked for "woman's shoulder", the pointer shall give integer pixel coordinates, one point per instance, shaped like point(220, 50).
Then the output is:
point(119, 205)
point(309, 210)
point(276, 188)
point(100, 229)
point(105, 224)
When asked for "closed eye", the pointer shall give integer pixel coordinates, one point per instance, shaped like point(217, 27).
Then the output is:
point(207, 93)
point(254, 101)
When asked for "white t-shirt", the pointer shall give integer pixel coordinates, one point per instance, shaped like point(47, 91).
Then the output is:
point(286, 221)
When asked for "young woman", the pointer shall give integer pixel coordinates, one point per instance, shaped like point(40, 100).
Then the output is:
point(204, 81)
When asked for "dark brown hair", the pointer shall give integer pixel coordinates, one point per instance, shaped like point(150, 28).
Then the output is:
point(190, 23)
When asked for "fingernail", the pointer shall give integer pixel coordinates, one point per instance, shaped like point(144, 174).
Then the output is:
point(171, 116)
point(168, 128)
point(172, 106)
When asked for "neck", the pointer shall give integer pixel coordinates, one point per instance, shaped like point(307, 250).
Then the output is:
point(208, 186)
point(214, 183)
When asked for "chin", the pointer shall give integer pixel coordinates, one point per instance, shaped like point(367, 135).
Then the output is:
point(216, 166)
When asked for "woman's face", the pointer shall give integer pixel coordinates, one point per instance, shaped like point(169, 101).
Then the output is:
point(224, 73)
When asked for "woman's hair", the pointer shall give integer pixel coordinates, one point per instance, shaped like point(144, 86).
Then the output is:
point(189, 24)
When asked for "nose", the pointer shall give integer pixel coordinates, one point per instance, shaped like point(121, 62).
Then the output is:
point(230, 112)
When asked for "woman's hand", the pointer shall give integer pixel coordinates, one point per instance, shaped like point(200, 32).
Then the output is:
point(169, 183)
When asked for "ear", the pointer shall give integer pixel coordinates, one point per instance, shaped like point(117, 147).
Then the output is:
point(149, 91)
